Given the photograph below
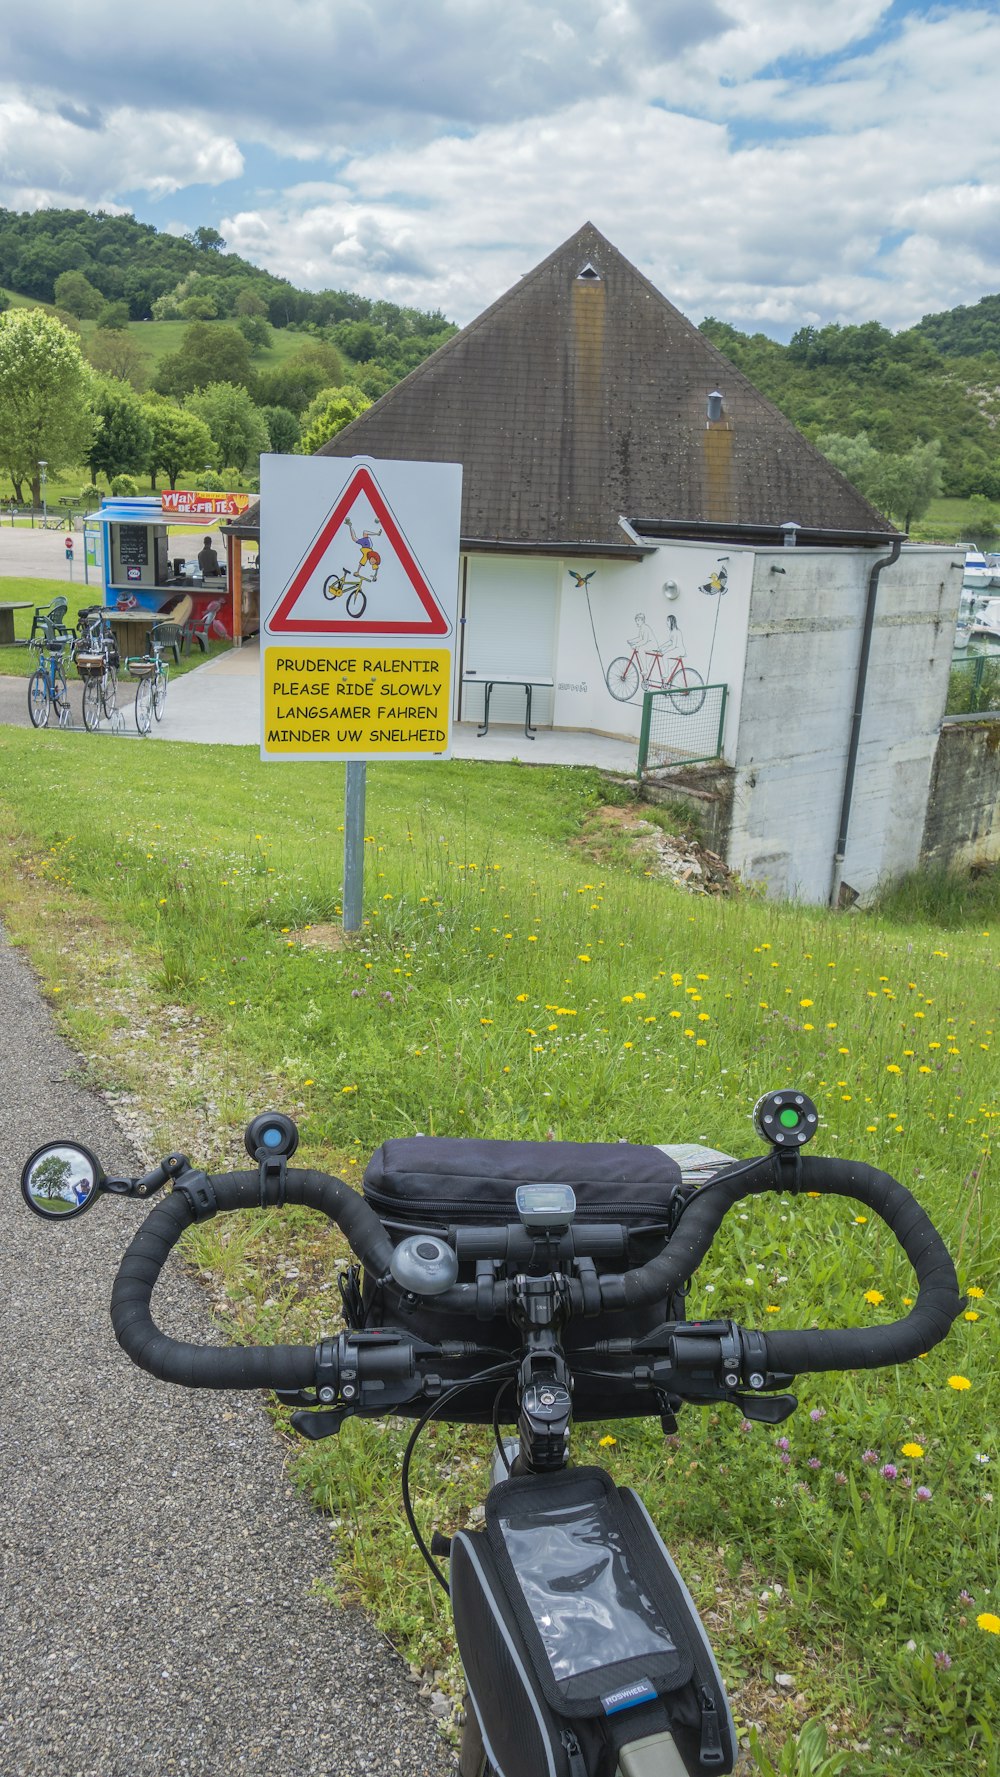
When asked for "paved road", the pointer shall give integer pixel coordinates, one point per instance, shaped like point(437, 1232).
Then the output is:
point(154, 1565)
point(40, 555)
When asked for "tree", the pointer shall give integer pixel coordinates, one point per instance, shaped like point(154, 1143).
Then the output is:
point(76, 293)
point(114, 353)
point(906, 485)
point(340, 408)
point(293, 384)
point(981, 524)
point(256, 330)
point(237, 426)
point(45, 391)
point(210, 352)
point(114, 317)
point(283, 429)
point(900, 485)
point(207, 240)
point(180, 441)
point(250, 304)
point(124, 436)
point(855, 457)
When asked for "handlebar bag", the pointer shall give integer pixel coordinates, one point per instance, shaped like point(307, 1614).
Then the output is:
point(579, 1639)
point(416, 1183)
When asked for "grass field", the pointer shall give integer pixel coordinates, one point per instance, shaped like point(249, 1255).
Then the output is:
point(511, 981)
point(21, 662)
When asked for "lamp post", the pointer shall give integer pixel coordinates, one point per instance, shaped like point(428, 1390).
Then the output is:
point(43, 477)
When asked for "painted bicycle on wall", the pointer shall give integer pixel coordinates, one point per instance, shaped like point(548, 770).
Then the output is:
point(627, 674)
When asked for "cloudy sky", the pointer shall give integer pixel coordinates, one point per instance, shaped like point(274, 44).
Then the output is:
point(770, 162)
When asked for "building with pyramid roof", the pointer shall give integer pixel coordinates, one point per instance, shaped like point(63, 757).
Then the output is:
point(651, 551)
point(582, 396)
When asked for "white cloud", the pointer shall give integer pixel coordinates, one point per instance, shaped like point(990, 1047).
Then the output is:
point(43, 149)
point(768, 161)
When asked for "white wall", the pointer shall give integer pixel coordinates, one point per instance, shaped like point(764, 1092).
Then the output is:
point(803, 646)
point(569, 619)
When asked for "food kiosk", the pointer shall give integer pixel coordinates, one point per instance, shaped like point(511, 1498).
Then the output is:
point(149, 548)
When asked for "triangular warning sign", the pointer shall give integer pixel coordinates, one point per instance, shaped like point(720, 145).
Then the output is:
point(359, 575)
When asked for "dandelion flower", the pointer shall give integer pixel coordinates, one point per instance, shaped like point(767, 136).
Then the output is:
point(959, 1382)
point(874, 1297)
point(974, 1291)
point(805, 1002)
point(970, 1314)
point(986, 1620)
point(912, 1449)
point(607, 1442)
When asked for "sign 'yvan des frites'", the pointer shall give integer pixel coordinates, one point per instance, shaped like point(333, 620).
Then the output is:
point(359, 593)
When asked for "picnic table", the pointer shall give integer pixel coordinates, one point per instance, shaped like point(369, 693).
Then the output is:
point(129, 628)
point(489, 680)
point(7, 620)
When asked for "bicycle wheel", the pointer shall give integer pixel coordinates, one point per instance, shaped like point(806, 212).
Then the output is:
point(356, 602)
point(160, 692)
point(93, 707)
point(144, 706)
point(38, 700)
point(333, 586)
point(687, 697)
point(472, 1760)
point(109, 691)
point(60, 697)
point(622, 678)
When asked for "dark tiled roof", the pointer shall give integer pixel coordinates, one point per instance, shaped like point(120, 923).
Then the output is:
point(576, 398)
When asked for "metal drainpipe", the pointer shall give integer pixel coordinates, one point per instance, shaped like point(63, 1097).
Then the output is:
point(886, 561)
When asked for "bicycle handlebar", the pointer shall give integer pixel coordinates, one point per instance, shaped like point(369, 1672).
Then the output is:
point(194, 1198)
point(284, 1367)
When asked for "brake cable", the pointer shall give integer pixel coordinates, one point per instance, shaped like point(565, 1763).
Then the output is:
point(507, 1371)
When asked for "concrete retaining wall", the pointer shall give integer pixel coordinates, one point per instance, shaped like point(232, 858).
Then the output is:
point(963, 810)
point(807, 610)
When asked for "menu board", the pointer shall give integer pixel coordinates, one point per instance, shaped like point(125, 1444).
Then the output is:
point(133, 545)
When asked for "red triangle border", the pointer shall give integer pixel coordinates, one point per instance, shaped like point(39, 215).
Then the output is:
point(281, 622)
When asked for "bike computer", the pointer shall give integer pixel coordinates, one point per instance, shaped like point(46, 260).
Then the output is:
point(545, 1206)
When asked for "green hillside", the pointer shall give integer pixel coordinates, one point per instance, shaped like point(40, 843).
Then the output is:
point(936, 384)
point(897, 388)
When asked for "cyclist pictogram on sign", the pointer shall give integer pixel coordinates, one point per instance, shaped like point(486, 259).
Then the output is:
point(359, 575)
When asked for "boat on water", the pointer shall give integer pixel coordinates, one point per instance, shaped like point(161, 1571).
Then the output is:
point(981, 571)
point(984, 622)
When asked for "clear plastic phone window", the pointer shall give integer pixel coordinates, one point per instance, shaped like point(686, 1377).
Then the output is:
point(583, 1594)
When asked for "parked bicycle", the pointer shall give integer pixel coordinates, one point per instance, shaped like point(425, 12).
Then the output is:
point(531, 1283)
point(151, 670)
point(96, 658)
point(51, 638)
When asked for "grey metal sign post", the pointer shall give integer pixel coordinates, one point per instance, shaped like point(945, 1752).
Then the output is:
point(354, 844)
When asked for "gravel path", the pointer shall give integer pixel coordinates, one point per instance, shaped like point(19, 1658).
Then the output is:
point(155, 1565)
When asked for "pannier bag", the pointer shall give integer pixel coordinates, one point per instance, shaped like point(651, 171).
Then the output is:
point(429, 1183)
point(583, 1653)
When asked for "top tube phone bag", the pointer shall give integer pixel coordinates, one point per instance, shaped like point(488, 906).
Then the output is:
point(579, 1639)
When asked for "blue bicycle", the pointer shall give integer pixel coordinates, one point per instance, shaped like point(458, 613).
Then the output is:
point(47, 690)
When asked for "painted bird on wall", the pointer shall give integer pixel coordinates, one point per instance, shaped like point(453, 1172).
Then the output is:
point(581, 580)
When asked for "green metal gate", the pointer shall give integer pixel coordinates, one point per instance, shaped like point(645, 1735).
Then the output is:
point(681, 727)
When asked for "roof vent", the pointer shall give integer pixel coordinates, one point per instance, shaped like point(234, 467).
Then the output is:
point(791, 533)
point(715, 405)
point(588, 274)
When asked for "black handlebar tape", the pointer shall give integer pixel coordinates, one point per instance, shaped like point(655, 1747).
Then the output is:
point(237, 1366)
point(851, 1348)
